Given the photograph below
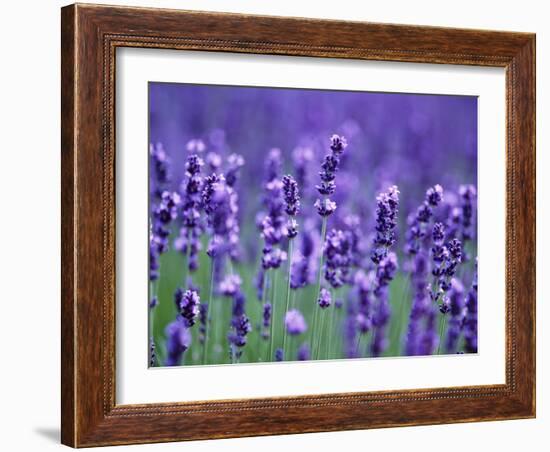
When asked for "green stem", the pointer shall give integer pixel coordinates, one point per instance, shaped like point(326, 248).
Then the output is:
point(208, 316)
point(287, 294)
point(151, 296)
point(273, 316)
point(324, 314)
point(441, 331)
point(152, 315)
point(186, 266)
point(358, 346)
point(267, 283)
point(217, 316)
point(330, 328)
point(402, 326)
point(314, 336)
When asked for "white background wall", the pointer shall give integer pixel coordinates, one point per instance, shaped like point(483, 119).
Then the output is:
point(29, 226)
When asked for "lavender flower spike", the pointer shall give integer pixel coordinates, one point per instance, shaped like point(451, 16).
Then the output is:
point(325, 299)
point(303, 352)
point(384, 275)
point(242, 327)
point(338, 144)
point(178, 340)
point(325, 207)
point(456, 303)
point(470, 318)
point(230, 285)
point(434, 195)
point(291, 195)
point(292, 202)
point(295, 323)
point(188, 305)
point(266, 320)
point(387, 204)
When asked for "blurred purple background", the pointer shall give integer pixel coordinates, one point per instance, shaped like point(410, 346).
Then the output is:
point(411, 140)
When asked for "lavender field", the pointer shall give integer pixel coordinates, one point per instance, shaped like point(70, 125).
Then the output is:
point(292, 225)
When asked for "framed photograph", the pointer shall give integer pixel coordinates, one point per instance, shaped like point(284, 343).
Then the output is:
point(282, 225)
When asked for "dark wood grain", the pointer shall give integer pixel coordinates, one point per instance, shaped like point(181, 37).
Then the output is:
point(67, 225)
point(90, 36)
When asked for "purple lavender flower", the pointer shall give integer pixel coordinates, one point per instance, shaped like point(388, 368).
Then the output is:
point(418, 222)
point(291, 228)
point(162, 215)
point(214, 161)
point(273, 225)
point(211, 184)
point(152, 353)
point(303, 270)
point(434, 195)
point(302, 158)
point(328, 174)
point(386, 270)
point(385, 273)
point(188, 305)
point(470, 318)
point(456, 310)
point(195, 146)
point(238, 336)
point(325, 299)
point(220, 202)
point(446, 259)
point(160, 165)
point(166, 211)
point(354, 235)
point(188, 241)
point(364, 323)
point(468, 195)
point(363, 287)
point(203, 321)
point(154, 264)
point(329, 167)
point(273, 258)
point(429, 337)
point(387, 204)
point(303, 353)
point(337, 251)
point(193, 167)
point(420, 303)
point(273, 165)
point(274, 202)
point(230, 285)
point(234, 164)
point(266, 320)
point(291, 195)
point(240, 323)
point(325, 207)
point(238, 306)
point(338, 144)
point(279, 355)
point(295, 323)
point(178, 340)
point(440, 253)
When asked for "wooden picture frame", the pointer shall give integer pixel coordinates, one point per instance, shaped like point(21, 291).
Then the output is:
point(90, 36)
